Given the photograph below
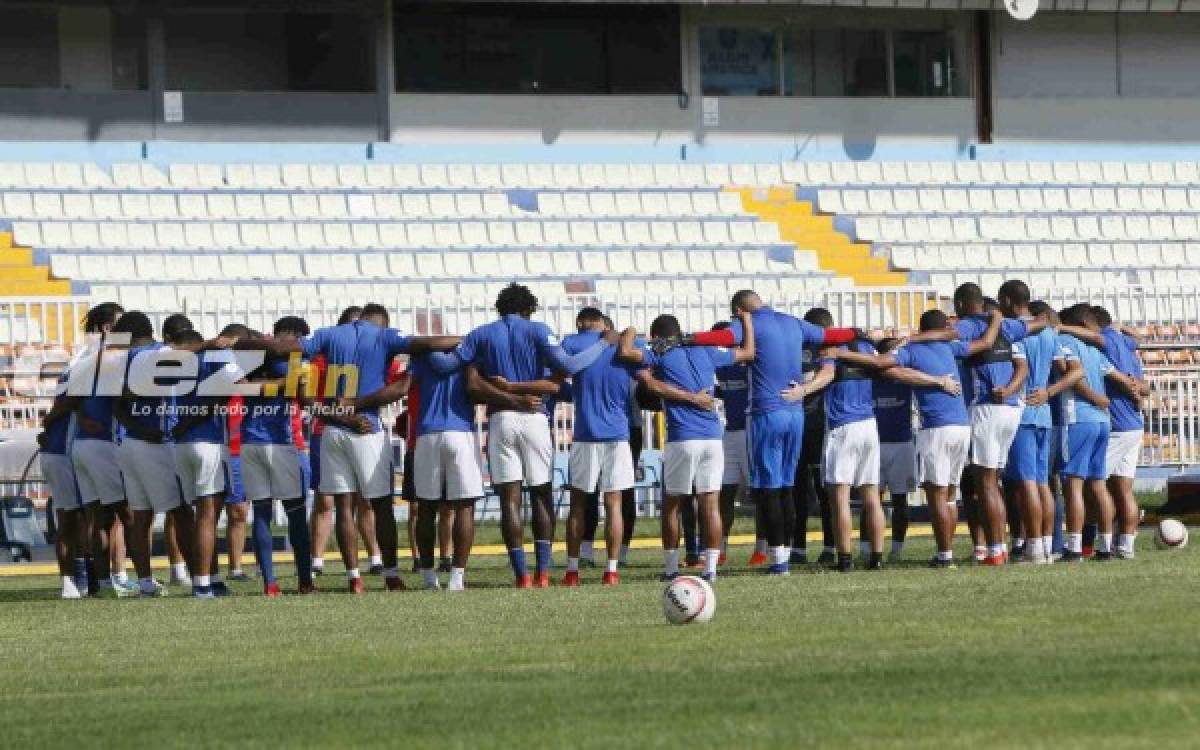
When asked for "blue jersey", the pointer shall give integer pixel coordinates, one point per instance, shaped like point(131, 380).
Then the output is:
point(99, 408)
point(148, 412)
point(893, 410)
point(692, 369)
point(361, 345)
point(1095, 366)
point(57, 435)
point(1122, 352)
point(519, 350)
point(778, 340)
point(735, 393)
point(268, 421)
point(601, 392)
point(1041, 350)
point(211, 429)
point(937, 358)
point(444, 405)
point(991, 369)
point(849, 398)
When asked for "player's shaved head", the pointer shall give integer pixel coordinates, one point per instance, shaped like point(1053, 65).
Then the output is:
point(136, 323)
point(968, 299)
point(236, 330)
point(375, 313)
point(819, 316)
point(934, 320)
point(1103, 317)
point(886, 345)
point(745, 300)
point(516, 299)
point(188, 337)
point(349, 315)
point(589, 318)
point(290, 325)
point(173, 325)
point(665, 327)
point(1013, 296)
point(1042, 309)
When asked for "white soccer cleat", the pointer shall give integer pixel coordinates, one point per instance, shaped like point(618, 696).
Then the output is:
point(70, 590)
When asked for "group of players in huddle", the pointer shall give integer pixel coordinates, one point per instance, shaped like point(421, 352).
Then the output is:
point(1012, 400)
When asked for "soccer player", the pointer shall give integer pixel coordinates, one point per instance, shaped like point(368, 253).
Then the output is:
point(945, 435)
point(145, 455)
point(1027, 474)
point(997, 375)
point(517, 350)
point(733, 388)
point(897, 449)
point(693, 458)
point(271, 467)
point(358, 461)
point(71, 542)
point(809, 489)
point(775, 428)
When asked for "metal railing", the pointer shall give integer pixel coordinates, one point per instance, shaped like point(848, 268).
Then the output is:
point(1133, 305)
point(41, 320)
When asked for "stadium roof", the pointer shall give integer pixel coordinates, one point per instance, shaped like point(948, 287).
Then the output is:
point(1097, 6)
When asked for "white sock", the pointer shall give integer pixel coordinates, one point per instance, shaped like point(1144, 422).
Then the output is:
point(429, 578)
point(353, 573)
point(623, 556)
point(671, 561)
point(711, 558)
point(1125, 543)
point(981, 550)
point(1104, 542)
point(236, 572)
point(1018, 542)
point(202, 581)
point(946, 554)
point(457, 579)
point(585, 550)
point(318, 563)
point(376, 560)
point(779, 555)
point(1033, 548)
point(897, 547)
point(1048, 545)
point(179, 570)
point(1075, 543)
point(760, 545)
point(611, 567)
point(147, 585)
point(122, 578)
point(572, 564)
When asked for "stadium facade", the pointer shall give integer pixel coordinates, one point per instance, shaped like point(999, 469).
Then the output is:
point(855, 79)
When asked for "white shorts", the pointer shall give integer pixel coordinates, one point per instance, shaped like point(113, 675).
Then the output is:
point(942, 454)
point(446, 466)
point(898, 467)
point(993, 429)
point(351, 462)
point(271, 471)
point(201, 469)
point(1124, 450)
point(601, 467)
point(736, 458)
point(59, 473)
point(520, 447)
point(851, 454)
point(149, 473)
point(97, 471)
point(693, 466)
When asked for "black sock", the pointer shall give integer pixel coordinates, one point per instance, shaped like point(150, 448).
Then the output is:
point(845, 562)
point(876, 561)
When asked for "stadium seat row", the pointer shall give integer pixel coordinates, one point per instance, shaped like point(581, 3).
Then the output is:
point(1066, 279)
point(1009, 200)
point(1070, 255)
point(1037, 228)
point(367, 206)
point(424, 265)
point(288, 235)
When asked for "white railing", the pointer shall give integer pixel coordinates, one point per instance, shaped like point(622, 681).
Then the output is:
point(1172, 414)
point(1133, 305)
point(40, 320)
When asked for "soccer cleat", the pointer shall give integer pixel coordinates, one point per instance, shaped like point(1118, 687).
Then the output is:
point(376, 569)
point(272, 591)
point(722, 559)
point(778, 569)
point(239, 576)
point(692, 561)
point(356, 586)
point(202, 592)
point(846, 565)
point(1069, 556)
point(158, 590)
point(71, 591)
point(394, 584)
point(666, 577)
point(318, 570)
point(542, 580)
point(1089, 552)
point(980, 554)
point(758, 558)
point(444, 566)
point(799, 557)
point(937, 562)
point(570, 579)
point(1103, 557)
point(1123, 554)
point(456, 586)
point(523, 582)
point(306, 588)
point(611, 578)
point(827, 558)
point(709, 577)
point(219, 589)
point(994, 560)
point(875, 562)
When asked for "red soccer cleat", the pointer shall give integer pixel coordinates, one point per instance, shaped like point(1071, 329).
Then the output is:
point(272, 590)
point(993, 560)
point(722, 559)
point(758, 558)
point(357, 586)
point(611, 578)
point(1089, 552)
point(307, 588)
point(542, 580)
point(570, 579)
point(524, 582)
point(395, 584)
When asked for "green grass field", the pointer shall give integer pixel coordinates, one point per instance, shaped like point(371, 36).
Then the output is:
point(1092, 655)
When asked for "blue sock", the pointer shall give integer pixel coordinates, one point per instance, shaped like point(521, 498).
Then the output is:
point(263, 512)
point(1089, 534)
point(81, 574)
point(545, 555)
point(301, 544)
point(516, 557)
point(691, 545)
point(1056, 545)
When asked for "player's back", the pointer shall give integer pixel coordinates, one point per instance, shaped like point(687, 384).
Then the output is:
point(849, 397)
point(600, 391)
point(993, 368)
point(735, 394)
point(510, 347)
point(443, 404)
point(692, 369)
point(1122, 352)
point(1040, 350)
point(778, 340)
point(363, 346)
point(893, 410)
point(148, 412)
point(268, 419)
point(939, 359)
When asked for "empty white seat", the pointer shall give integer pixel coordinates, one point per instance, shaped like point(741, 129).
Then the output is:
point(295, 177)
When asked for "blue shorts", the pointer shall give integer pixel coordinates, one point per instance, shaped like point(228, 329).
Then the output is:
point(314, 462)
point(1086, 450)
point(1029, 457)
point(1058, 444)
point(233, 480)
point(776, 439)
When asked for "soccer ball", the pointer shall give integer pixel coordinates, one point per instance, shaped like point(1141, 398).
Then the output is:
point(689, 599)
point(1170, 534)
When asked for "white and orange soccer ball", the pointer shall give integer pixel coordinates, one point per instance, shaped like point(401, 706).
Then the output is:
point(689, 599)
point(1170, 534)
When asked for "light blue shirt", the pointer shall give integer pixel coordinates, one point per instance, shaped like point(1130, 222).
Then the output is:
point(1095, 367)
